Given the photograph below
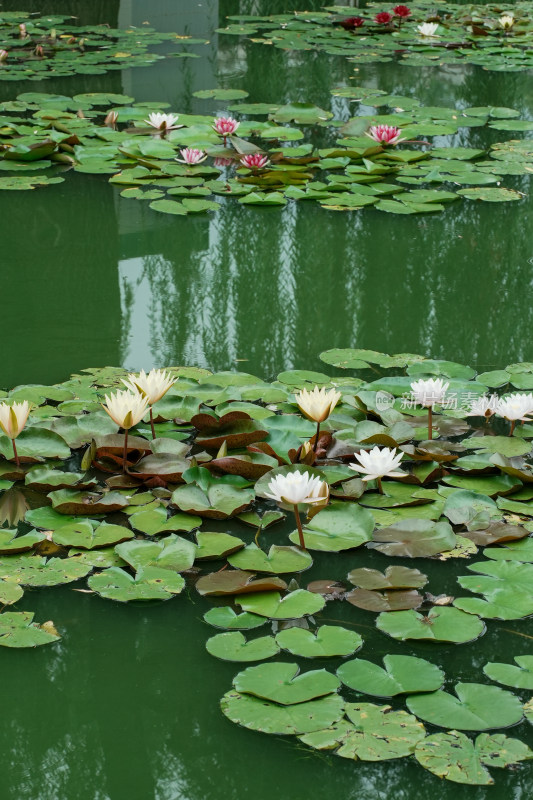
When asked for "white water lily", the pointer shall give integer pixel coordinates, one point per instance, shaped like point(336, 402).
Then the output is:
point(297, 487)
point(515, 407)
point(428, 392)
point(506, 21)
point(153, 385)
point(163, 122)
point(378, 463)
point(12, 421)
point(427, 29)
point(484, 406)
point(126, 408)
point(318, 404)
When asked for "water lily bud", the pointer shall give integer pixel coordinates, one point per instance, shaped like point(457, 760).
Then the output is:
point(13, 418)
point(318, 404)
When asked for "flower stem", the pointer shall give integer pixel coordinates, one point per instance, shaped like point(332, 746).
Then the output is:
point(316, 438)
point(380, 486)
point(152, 423)
point(513, 423)
point(299, 526)
point(17, 459)
point(125, 454)
point(430, 422)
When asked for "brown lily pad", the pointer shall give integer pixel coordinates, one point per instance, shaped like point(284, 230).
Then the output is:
point(237, 581)
point(496, 532)
point(384, 601)
point(392, 578)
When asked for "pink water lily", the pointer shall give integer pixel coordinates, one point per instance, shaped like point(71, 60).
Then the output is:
point(254, 161)
point(225, 126)
point(385, 134)
point(192, 156)
point(3, 55)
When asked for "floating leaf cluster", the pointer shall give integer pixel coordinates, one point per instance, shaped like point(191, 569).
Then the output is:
point(100, 133)
point(34, 47)
point(456, 34)
point(144, 531)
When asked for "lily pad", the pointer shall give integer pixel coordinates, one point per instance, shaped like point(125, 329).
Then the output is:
point(150, 583)
point(327, 641)
point(402, 675)
point(442, 624)
point(172, 553)
point(281, 683)
point(477, 707)
point(393, 578)
point(453, 756)
point(278, 560)
point(17, 629)
point(414, 538)
point(259, 715)
point(294, 605)
point(340, 526)
point(225, 617)
point(233, 646)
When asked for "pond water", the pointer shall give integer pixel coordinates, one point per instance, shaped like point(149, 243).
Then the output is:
point(126, 706)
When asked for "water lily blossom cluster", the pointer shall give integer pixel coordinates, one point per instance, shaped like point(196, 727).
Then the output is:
point(515, 407)
point(153, 386)
point(428, 29)
point(126, 408)
point(297, 488)
point(192, 156)
point(317, 405)
point(163, 122)
point(427, 393)
point(13, 418)
point(378, 463)
point(254, 161)
point(385, 134)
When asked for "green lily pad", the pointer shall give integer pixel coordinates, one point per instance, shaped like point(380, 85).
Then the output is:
point(225, 617)
point(10, 593)
point(281, 683)
point(37, 571)
point(414, 538)
point(11, 543)
point(214, 544)
point(172, 553)
point(233, 646)
point(84, 535)
point(150, 583)
point(259, 715)
point(340, 526)
point(327, 641)
point(153, 521)
point(402, 675)
point(294, 605)
point(519, 677)
point(374, 733)
point(476, 708)
point(278, 560)
point(453, 756)
point(17, 629)
point(442, 624)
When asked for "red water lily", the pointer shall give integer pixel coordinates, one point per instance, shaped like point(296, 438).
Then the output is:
point(383, 18)
point(351, 23)
point(401, 11)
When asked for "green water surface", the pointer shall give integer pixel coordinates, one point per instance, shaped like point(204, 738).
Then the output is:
point(125, 707)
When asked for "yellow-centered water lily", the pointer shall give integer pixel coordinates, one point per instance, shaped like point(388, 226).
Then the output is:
point(153, 386)
point(126, 409)
point(297, 488)
point(317, 405)
point(13, 418)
